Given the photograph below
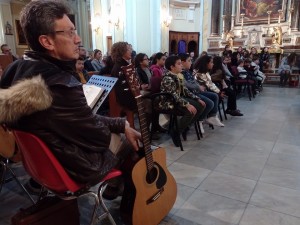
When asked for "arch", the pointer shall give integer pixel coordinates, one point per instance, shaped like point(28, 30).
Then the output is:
point(181, 46)
point(192, 46)
point(173, 48)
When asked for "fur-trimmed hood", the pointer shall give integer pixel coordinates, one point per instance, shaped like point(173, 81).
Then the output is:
point(24, 98)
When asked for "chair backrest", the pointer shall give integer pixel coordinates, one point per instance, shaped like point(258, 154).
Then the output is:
point(7, 143)
point(42, 165)
point(235, 71)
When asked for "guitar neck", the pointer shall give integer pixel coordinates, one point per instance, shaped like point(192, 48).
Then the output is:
point(144, 132)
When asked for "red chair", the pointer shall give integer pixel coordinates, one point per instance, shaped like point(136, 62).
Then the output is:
point(43, 167)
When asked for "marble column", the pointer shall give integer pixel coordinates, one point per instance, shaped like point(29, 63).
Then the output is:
point(215, 20)
point(295, 16)
point(227, 10)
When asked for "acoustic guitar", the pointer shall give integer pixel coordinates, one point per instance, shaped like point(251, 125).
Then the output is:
point(150, 189)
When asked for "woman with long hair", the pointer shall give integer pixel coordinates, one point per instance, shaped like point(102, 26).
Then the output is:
point(202, 69)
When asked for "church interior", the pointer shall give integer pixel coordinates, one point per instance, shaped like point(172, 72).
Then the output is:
point(245, 172)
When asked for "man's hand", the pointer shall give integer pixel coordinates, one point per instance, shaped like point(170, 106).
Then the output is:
point(192, 109)
point(222, 94)
point(202, 102)
point(202, 88)
point(132, 136)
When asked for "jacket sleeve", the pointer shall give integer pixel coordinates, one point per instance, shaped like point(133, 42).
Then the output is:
point(193, 86)
point(71, 118)
point(169, 86)
point(188, 93)
point(217, 76)
point(205, 77)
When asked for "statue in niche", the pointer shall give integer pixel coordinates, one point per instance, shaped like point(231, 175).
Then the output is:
point(8, 28)
point(230, 38)
point(277, 36)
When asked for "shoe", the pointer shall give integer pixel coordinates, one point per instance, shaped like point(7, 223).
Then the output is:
point(159, 129)
point(34, 188)
point(228, 111)
point(236, 113)
point(175, 138)
point(201, 127)
point(214, 120)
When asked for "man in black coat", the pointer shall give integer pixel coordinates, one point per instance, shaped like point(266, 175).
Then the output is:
point(40, 95)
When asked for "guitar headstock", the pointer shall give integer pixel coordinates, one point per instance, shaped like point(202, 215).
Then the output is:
point(132, 79)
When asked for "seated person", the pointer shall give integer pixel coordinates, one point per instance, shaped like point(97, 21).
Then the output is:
point(82, 74)
point(5, 49)
point(97, 62)
point(187, 104)
point(45, 99)
point(157, 69)
point(211, 99)
point(242, 72)
point(202, 67)
point(144, 73)
point(258, 75)
point(121, 56)
point(285, 68)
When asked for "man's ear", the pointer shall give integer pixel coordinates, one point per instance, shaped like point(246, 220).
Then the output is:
point(47, 42)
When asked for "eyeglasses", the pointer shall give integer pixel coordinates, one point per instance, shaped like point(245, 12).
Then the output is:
point(146, 59)
point(71, 33)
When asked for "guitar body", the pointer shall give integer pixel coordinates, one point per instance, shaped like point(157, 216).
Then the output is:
point(150, 190)
point(144, 202)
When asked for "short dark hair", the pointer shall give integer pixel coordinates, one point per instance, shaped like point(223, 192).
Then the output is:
point(80, 58)
point(201, 63)
point(38, 18)
point(2, 46)
point(184, 56)
point(171, 61)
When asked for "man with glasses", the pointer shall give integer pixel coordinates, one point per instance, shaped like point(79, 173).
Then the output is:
point(43, 97)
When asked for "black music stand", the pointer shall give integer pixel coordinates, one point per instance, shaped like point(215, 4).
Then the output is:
point(104, 82)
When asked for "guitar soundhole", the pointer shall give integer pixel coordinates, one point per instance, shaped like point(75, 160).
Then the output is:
point(152, 175)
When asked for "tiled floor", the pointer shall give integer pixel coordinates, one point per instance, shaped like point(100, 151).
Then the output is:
point(247, 173)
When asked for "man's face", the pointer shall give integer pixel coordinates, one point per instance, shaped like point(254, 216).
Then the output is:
point(65, 41)
point(82, 52)
point(6, 50)
point(187, 63)
point(177, 68)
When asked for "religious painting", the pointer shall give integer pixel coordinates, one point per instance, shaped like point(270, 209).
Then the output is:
point(256, 11)
point(21, 40)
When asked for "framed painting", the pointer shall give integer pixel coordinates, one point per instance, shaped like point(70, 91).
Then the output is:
point(255, 11)
point(21, 40)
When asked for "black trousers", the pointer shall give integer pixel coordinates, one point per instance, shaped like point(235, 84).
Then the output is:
point(231, 101)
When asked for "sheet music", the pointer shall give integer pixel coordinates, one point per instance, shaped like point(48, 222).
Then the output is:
point(92, 94)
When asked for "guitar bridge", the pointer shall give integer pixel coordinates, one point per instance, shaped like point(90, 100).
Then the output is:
point(155, 196)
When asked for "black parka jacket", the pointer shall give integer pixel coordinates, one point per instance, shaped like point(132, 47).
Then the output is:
point(39, 94)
